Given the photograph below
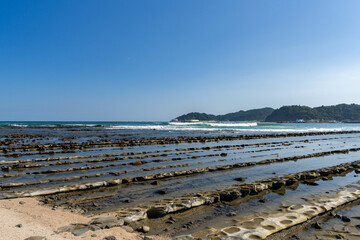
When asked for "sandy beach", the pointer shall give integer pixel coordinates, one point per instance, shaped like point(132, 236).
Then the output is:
point(43, 222)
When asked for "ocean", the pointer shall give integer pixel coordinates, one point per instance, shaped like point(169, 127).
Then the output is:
point(184, 127)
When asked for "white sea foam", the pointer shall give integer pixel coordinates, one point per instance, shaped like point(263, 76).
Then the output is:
point(164, 128)
point(244, 124)
point(185, 123)
point(304, 130)
point(239, 127)
point(18, 125)
point(79, 125)
point(137, 127)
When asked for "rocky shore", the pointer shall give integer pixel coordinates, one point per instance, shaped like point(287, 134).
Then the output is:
point(174, 187)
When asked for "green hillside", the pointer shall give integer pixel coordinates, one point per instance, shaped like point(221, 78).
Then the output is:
point(250, 115)
point(341, 112)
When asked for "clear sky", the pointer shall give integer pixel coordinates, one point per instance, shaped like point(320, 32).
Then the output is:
point(155, 60)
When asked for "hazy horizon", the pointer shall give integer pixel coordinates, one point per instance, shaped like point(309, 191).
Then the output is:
point(155, 60)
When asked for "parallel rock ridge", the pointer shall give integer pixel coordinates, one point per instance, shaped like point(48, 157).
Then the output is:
point(233, 193)
point(119, 181)
point(33, 149)
point(262, 227)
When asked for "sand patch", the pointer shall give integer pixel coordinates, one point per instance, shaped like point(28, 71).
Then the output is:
point(39, 220)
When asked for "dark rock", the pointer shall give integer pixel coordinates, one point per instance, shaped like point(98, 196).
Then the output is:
point(110, 238)
point(19, 165)
point(240, 179)
point(231, 214)
point(161, 191)
point(223, 154)
point(310, 183)
point(291, 181)
point(19, 225)
point(6, 168)
point(345, 218)
point(21, 202)
point(114, 173)
point(278, 184)
point(229, 196)
point(125, 180)
point(171, 220)
point(317, 225)
point(357, 171)
point(154, 183)
point(262, 200)
point(255, 189)
point(156, 212)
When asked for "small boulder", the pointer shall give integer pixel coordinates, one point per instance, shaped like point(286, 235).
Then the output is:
point(110, 238)
point(229, 196)
point(278, 184)
point(156, 212)
point(240, 179)
point(161, 191)
point(345, 218)
point(145, 229)
point(128, 229)
point(231, 214)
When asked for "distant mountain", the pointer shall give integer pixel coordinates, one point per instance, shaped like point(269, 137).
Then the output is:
point(341, 113)
point(250, 115)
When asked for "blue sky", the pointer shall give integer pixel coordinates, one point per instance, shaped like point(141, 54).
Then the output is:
point(155, 60)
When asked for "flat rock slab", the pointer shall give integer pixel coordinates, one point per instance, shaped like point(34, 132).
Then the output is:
point(107, 222)
point(35, 238)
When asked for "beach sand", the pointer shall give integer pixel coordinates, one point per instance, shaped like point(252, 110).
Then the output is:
point(40, 220)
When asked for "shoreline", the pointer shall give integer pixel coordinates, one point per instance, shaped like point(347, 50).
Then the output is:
point(23, 218)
